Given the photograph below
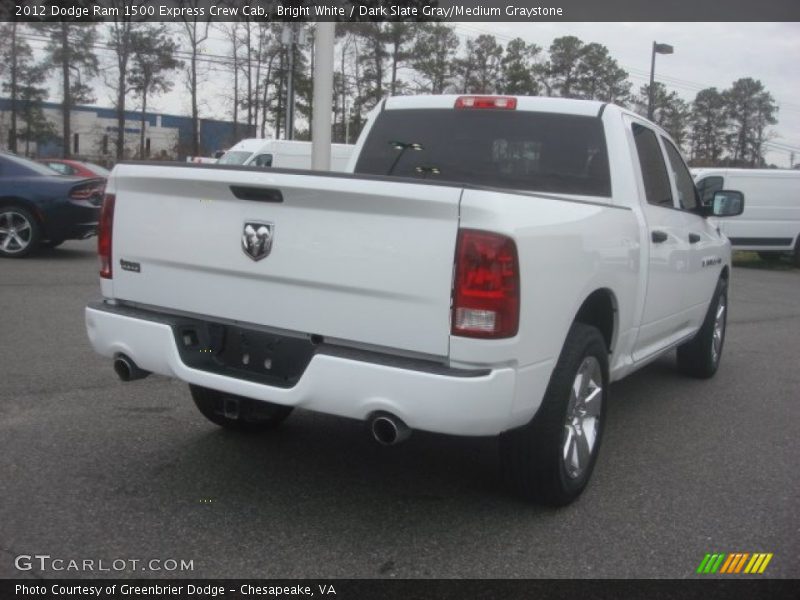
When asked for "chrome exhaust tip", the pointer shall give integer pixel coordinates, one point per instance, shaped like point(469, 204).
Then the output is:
point(388, 430)
point(127, 370)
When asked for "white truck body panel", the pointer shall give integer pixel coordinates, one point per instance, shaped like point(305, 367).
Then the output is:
point(343, 264)
point(339, 386)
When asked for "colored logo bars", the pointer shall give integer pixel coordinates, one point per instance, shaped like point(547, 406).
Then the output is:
point(737, 562)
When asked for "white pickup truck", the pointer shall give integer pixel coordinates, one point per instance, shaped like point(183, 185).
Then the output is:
point(489, 266)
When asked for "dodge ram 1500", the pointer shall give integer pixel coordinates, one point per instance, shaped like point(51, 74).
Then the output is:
point(489, 265)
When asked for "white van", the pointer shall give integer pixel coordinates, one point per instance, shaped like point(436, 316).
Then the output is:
point(282, 154)
point(770, 223)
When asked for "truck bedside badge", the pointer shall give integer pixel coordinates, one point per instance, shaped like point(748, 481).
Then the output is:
point(257, 239)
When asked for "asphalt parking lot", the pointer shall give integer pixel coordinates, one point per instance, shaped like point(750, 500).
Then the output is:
point(91, 468)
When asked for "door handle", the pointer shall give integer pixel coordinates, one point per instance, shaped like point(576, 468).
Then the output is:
point(693, 238)
point(658, 237)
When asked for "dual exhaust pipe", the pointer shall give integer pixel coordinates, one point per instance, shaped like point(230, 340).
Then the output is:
point(127, 370)
point(385, 428)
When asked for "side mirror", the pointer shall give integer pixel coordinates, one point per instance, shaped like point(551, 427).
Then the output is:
point(727, 203)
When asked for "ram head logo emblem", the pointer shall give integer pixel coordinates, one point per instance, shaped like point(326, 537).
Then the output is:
point(257, 239)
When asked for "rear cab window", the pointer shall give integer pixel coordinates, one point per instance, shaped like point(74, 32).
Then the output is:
point(657, 188)
point(520, 150)
point(687, 194)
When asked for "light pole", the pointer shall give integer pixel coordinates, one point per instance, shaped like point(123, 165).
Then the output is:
point(290, 38)
point(657, 49)
point(324, 41)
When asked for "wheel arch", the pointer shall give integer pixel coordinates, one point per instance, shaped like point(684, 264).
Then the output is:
point(31, 207)
point(600, 310)
point(20, 202)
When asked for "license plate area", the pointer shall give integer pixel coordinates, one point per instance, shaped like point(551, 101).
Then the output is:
point(242, 353)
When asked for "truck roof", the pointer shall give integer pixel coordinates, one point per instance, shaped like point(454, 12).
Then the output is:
point(529, 103)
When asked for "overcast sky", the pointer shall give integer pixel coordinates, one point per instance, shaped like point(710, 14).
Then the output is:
point(706, 54)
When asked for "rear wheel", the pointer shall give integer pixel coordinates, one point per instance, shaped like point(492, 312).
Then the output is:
point(700, 357)
point(19, 232)
point(238, 413)
point(550, 460)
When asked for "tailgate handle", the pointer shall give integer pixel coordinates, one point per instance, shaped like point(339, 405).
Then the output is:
point(257, 194)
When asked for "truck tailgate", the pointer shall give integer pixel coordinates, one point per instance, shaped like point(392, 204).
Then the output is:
point(353, 259)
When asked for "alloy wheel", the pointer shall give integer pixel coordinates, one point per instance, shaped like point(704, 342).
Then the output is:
point(583, 417)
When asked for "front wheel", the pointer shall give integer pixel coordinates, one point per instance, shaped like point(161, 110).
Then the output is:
point(238, 413)
point(550, 460)
point(700, 357)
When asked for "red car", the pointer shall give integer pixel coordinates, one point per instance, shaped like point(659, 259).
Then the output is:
point(75, 167)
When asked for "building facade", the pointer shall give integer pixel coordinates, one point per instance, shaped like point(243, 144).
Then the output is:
point(94, 134)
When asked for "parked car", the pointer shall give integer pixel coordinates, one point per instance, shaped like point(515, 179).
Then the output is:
point(770, 224)
point(75, 167)
point(489, 267)
point(40, 207)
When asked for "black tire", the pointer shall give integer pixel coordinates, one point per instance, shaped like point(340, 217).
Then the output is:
point(534, 456)
point(20, 233)
point(797, 253)
point(770, 256)
point(242, 414)
point(700, 357)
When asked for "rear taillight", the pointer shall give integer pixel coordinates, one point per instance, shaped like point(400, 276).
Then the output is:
point(104, 235)
point(486, 290)
point(501, 102)
point(88, 191)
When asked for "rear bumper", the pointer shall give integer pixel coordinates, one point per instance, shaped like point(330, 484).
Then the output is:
point(437, 400)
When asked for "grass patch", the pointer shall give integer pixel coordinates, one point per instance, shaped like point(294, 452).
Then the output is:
point(751, 260)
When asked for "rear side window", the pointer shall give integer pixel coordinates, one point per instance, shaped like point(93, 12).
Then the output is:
point(654, 171)
point(497, 148)
point(60, 167)
point(707, 187)
point(234, 158)
point(101, 171)
point(687, 194)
